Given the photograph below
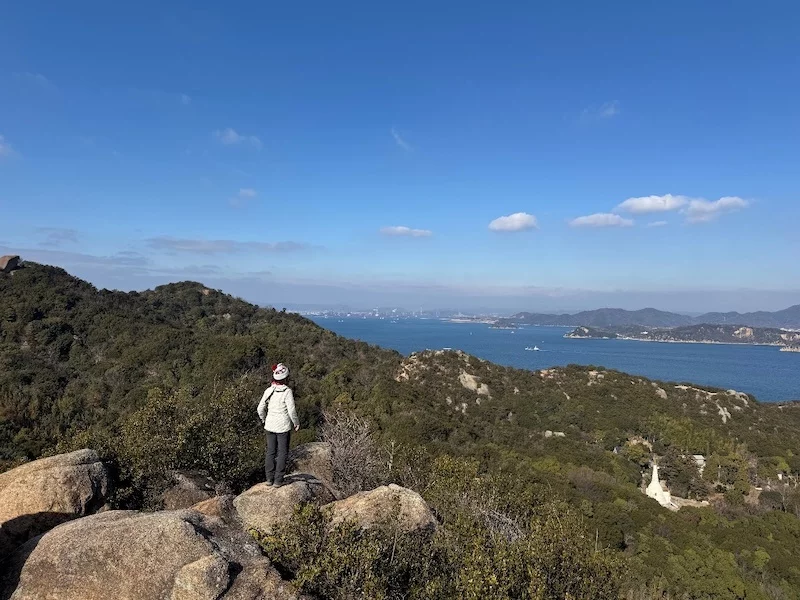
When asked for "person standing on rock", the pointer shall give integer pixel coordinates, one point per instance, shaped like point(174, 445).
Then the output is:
point(278, 414)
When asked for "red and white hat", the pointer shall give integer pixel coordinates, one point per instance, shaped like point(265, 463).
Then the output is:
point(280, 372)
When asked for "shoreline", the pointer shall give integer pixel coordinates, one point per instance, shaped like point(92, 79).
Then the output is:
point(633, 361)
point(707, 342)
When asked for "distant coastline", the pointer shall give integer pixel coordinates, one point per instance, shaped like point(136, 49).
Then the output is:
point(485, 321)
point(696, 334)
point(635, 339)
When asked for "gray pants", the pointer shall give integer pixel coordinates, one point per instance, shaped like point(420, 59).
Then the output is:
point(277, 443)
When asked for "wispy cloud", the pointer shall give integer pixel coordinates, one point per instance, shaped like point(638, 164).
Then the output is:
point(203, 246)
point(6, 149)
point(230, 137)
point(63, 257)
point(657, 224)
point(607, 110)
point(520, 221)
point(398, 139)
point(130, 267)
point(652, 204)
point(244, 196)
point(160, 96)
point(37, 80)
point(601, 220)
point(57, 236)
point(401, 230)
point(702, 211)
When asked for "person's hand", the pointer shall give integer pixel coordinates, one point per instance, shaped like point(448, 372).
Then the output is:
point(297, 427)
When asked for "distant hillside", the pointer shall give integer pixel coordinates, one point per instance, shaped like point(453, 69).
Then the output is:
point(605, 317)
point(169, 379)
point(705, 334)
point(786, 318)
point(650, 317)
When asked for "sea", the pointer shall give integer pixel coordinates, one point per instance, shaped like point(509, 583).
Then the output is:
point(761, 371)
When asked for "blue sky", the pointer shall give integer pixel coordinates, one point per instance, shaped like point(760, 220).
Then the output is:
point(645, 154)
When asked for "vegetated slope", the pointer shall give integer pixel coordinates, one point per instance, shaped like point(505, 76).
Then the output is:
point(72, 356)
point(786, 318)
point(169, 379)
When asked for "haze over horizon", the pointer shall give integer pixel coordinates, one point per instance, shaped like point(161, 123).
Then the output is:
point(530, 158)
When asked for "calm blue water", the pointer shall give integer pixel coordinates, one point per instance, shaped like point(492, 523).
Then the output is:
point(762, 371)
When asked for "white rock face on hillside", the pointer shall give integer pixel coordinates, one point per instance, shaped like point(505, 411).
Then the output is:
point(472, 383)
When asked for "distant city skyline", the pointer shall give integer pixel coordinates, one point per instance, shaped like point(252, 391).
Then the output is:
point(529, 157)
point(308, 296)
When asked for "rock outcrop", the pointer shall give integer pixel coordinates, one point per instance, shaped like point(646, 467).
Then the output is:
point(179, 555)
point(369, 508)
point(199, 553)
point(264, 506)
point(188, 489)
point(217, 506)
point(39, 495)
point(314, 458)
point(8, 263)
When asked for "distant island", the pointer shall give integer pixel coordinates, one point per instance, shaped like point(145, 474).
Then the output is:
point(788, 318)
point(698, 334)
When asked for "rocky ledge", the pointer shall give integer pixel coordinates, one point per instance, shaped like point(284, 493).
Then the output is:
point(60, 541)
point(39, 495)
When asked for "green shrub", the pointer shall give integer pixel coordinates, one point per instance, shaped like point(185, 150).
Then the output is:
point(549, 558)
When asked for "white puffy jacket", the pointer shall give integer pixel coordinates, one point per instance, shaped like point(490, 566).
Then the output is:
point(276, 409)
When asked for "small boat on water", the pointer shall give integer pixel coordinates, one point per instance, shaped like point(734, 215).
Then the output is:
point(534, 349)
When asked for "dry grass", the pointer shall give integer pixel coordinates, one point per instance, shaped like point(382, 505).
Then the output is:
point(357, 463)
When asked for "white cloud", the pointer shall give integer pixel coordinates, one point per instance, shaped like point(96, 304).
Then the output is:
point(243, 197)
point(398, 139)
point(702, 211)
point(601, 220)
point(607, 110)
point(520, 221)
point(651, 204)
point(57, 236)
point(6, 150)
point(36, 79)
point(401, 230)
point(159, 97)
point(229, 137)
point(203, 246)
point(697, 210)
point(658, 224)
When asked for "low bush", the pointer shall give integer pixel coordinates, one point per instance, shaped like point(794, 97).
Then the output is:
point(549, 557)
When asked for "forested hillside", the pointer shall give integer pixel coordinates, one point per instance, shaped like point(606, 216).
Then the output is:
point(169, 379)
